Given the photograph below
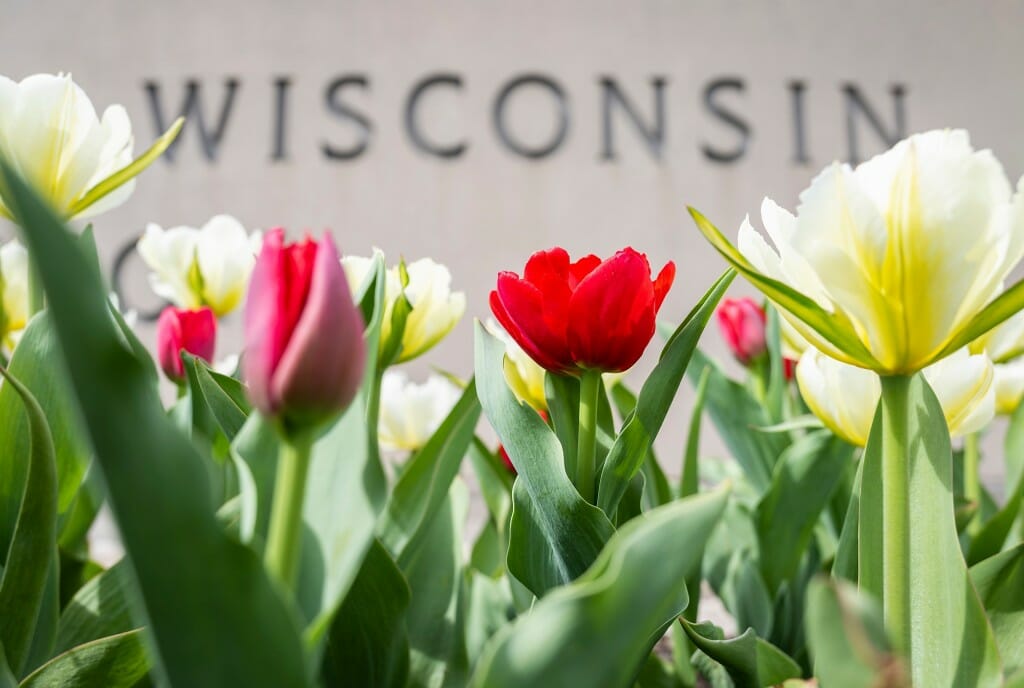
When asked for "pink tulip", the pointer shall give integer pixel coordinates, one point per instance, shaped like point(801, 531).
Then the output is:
point(742, 322)
point(180, 329)
point(304, 353)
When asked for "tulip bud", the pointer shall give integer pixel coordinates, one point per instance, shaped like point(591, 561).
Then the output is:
point(305, 352)
point(13, 292)
point(411, 413)
point(742, 323)
point(588, 315)
point(179, 329)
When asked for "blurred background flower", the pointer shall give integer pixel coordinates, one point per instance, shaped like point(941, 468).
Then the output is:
point(410, 412)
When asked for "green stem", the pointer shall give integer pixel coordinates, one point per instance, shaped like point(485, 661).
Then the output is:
point(586, 446)
point(972, 478)
point(36, 297)
point(285, 535)
point(373, 412)
point(896, 507)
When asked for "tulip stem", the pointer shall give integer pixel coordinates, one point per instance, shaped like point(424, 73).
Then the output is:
point(586, 456)
point(972, 478)
point(895, 418)
point(285, 534)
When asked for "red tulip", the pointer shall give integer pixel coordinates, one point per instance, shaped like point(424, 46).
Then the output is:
point(304, 336)
point(591, 314)
point(742, 323)
point(180, 329)
point(788, 368)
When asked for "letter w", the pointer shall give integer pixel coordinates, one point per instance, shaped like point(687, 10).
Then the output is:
point(192, 110)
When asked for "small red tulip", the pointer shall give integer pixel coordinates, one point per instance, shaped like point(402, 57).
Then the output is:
point(181, 329)
point(788, 368)
point(589, 314)
point(304, 353)
point(742, 323)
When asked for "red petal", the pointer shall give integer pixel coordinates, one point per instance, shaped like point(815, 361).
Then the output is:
point(520, 307)
point(265, 334)
point(611, 313)
point(663, 283)
point(581, 268)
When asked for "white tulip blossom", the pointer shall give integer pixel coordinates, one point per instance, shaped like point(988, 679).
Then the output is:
point(1005, 346)
point(209, 266)
point(410, 413)
point(436, 309)
point(886, 265)
point(845, 397)
point(80, 162)
point(13, 293)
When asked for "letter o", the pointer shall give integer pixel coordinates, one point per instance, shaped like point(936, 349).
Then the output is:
point(517, 147)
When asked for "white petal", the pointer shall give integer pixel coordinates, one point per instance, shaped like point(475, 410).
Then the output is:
point(1009, 386)
point(963, 385)
point(410, 413)
point(843, 396)
point(14, 284)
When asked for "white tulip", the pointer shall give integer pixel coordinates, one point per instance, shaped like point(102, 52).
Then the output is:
point(845, 397)
point(896, 256)
point(209, 266)
point(410, 413)
point(436, 309)
point(1005, 346)
point(13, 292)
point(81, 163)
point(1009, 384)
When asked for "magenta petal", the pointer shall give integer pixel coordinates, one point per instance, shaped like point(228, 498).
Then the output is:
point(264, 327)
point(322, 365)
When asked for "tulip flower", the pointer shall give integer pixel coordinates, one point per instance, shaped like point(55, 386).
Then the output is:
point(845, 397)
point(304, 362)
point(888, 265)
point(13, 292)
point(209, 266)
point(742, 323)
point(1005, 346)
point(81, 163)
point(180, 329)
point(525, 378)
point(587, 315)
point(304, 353)
point(410, 413)
point(583, 318)
point(436, 309)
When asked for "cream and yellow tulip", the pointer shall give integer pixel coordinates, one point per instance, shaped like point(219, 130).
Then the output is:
point(1005, 346)
point(896, 263)
point(81, 163)
point(209, 266)
point(524, 377)
point(436, 309)
point(845, 397)
point(410, 413)
point(13, 293)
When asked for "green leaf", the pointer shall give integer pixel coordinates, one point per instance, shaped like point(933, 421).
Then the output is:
point(218, 402)
point(343, 500)
point(7, 679)
point(998, 309)
point(100, 608)
point(745, 596)
point(689, 479)
point(128, 172)
point(750, 661)
point(33, 549)
point(423, 485)
point(847, 638)
point(367, 644)
point(36, 363)
point(776, 393)
point(833, 327)
point(555, 535)
point(736, 414)
point(198, 585)
point(656, 395)
point(993, 533)
point(563, 397)
point(1000, 584)
point(495, 481)
point(435, 618)
point(657, 488)
point(913, 544)
point(845, 563)
point(598, 631)
point(805, 477)
point(117, 661)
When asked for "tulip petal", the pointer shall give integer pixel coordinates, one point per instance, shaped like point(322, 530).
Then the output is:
point(611, 313)
point(322, 365)
point(265, 334)
point(663, 282)
point(518, 306)
point(964, 387)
